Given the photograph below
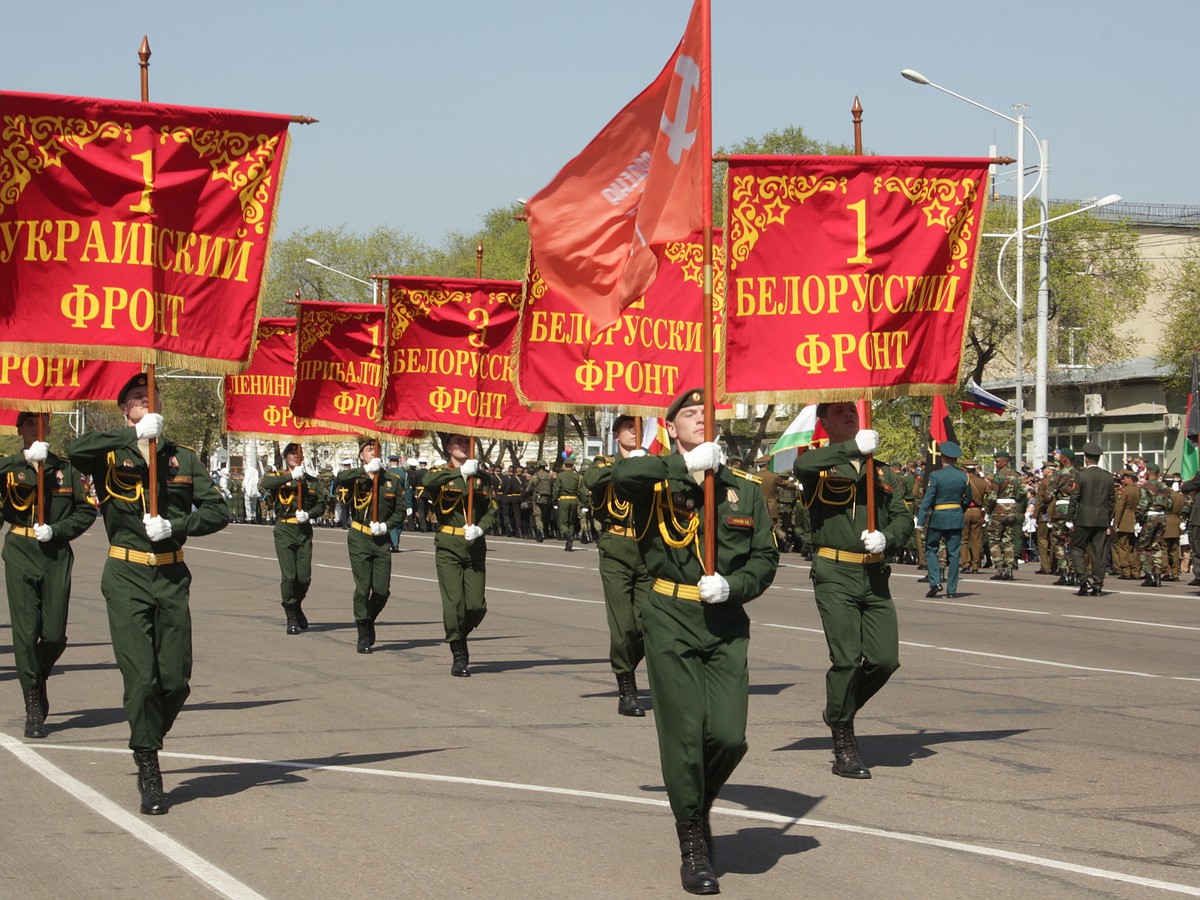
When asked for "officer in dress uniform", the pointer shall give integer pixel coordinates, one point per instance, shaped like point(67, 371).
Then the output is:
point(146, 584)
point(1091, 513)
point(947, 495)
point(295, 501)
point(849, 574)
point(38, 559)
point(972, 533)
point(460, 549)
point(367, 539)
point(696, 627)
point(622, 572)
point(570, 495)
point(1124, 548)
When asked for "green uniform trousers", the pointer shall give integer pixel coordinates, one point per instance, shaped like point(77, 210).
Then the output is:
point(696, 662)
point(461, 574)
point(151, 630)
point(626, 581)
point(1088, 558)
point(568, 517)
point(38, 579)
point(861, 630)
point(294, 549)
point(371, 566)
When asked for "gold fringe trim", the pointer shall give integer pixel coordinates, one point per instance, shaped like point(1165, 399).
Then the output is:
point(458, 429)
point(144, 355)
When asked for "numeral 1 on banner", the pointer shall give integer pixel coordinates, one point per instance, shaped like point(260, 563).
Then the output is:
point(860, 211)
point(146, 158)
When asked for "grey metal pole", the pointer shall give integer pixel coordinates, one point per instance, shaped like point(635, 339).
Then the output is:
point(1019, 399)
point(1041, 419)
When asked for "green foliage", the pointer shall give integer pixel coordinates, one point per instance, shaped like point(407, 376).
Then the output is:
point(505, 242)
point(1181, 324)
point(193, 410)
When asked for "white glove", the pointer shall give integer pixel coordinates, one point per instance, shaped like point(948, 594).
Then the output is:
point(867, 441)
point(471, 532)
point(297, 473)
point(372, 467)
point(37, 452)
point(378, 528)
point(157, 528)
point(408, 511)
point(468, 468)
point(874, 541)
point(301, 516)
point(149, 427)
point(43, 532)
point(713, 588)
point(638, 452)
point(1070, 525)
point(704, 457)
point(584, 511)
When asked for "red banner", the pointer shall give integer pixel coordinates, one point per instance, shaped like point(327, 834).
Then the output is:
point(849, 277)
point(448, 362)
point(338, 365)
point(641, 363)
point(56, 383)
point(257, 402)
point(134, 231)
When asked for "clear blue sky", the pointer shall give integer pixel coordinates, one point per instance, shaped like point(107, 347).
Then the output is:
point(435, 111)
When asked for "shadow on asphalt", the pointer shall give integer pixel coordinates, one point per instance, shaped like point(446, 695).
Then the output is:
point(228, 778)
point(512, 665)
point(115, 715)
point(899, 750)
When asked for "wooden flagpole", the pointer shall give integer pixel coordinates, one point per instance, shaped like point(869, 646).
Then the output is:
point(41, 469)
point(151, 386)
point(706, 317)
point(864, 415)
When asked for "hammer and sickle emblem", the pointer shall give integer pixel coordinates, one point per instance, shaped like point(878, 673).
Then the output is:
point(681, 139)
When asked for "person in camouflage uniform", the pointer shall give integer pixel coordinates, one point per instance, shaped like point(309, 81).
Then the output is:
point(785, 533)
point(1006, 510)
point(539, 491)
point(1061, 487)
point(1152, 516)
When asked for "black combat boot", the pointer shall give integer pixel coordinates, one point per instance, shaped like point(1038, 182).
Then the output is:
point(293, 624)
point(541, 536)
point(570, 541)
point(1148, 581)
point(150, 785)
point(696, 874)
point(364, 635)
point(460, 667)
point(301, 618)
point(35, 722)
point(846, 761)
point(43, 699)
point(627, 701)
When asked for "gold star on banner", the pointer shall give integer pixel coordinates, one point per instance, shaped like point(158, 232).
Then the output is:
point(936, 212)
point(776, 210)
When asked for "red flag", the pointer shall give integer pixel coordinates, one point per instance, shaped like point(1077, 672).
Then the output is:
point(644, 179)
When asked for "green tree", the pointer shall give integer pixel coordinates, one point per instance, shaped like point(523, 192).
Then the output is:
point(1181, 325)
point(505, 241)
point(193, 409)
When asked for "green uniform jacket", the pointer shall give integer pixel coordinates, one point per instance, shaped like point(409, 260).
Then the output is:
point(949, 488)
point(446, 490)
point(359, 486)
point(668, 512)
point(569, 484)
point(186, 495)
point(1093, 499)
point(831, 483)
point(68, 511)
point(282, 490)
point(607, 509)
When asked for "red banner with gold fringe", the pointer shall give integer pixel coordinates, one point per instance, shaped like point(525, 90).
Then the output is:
point(848, 277)
point(57, 383)
point(639, 364)
point(448, 364)
point(134, 231)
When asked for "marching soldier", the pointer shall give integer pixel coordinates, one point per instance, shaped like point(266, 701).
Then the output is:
point(622, 572)
point(849, 574)
point(947, 495)
point(696, 627)
point(38, 559)
point(972, 533)
point(1152, 515)
point(460, 549)
point(1124, 548)
point(1062, 486)
point(1044, 499)
point(540, 491)
point(1090, 512)
point(375, 500)
point(146, 583)
point(570, 495)
point(1006, 510)
point(295, 501)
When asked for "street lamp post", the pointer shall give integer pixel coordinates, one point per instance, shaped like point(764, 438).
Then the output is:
point(374, 286)
point(1022, 128)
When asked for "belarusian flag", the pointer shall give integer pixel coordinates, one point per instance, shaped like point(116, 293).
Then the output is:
point(804, 431)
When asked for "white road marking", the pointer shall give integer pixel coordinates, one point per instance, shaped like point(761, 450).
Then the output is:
point(959, 846)
point(1133, 622)
point(195, 865)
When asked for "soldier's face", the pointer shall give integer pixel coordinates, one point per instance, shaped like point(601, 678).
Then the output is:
point(367, 453)
point(295, 458)
point(137, 404)
point(458, 448)
point(688, 427)
point(841, 422)
point(627, 438)
point(29, 429)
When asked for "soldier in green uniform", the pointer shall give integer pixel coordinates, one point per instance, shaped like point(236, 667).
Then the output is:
point(849, 574)
point(1062, 486)
point(947, 495)
point(786, 529)
point(907, 485)
point(295, 501)
point(38, 559)
point(375, 501)
point(1044, 503)
point(1152, 515)
point(696, 628)
point(1091, 512)
point(460, 549)
point(146, 583)
point(570, 495)
point(1006, 511)
point(540, 491)
point(622, 572)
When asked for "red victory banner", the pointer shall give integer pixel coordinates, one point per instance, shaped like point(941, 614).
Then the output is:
point(53, 383)
point(134, 231)
point(638, 365)
point(448, 362)
point(644, 179)
point(257, 402)
point(848, 277)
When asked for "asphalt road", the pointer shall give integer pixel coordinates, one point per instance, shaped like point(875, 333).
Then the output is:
point(1033, 744)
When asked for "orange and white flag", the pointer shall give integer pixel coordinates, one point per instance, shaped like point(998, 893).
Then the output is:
point(644, 179)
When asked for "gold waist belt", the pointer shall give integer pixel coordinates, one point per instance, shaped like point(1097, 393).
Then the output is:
point(848, 556)
point(948, 506)
point(622, 531)
point(451, 529)
point(674, 589)
point(146, 559)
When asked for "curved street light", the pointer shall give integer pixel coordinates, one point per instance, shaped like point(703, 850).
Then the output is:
point(374, 286)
